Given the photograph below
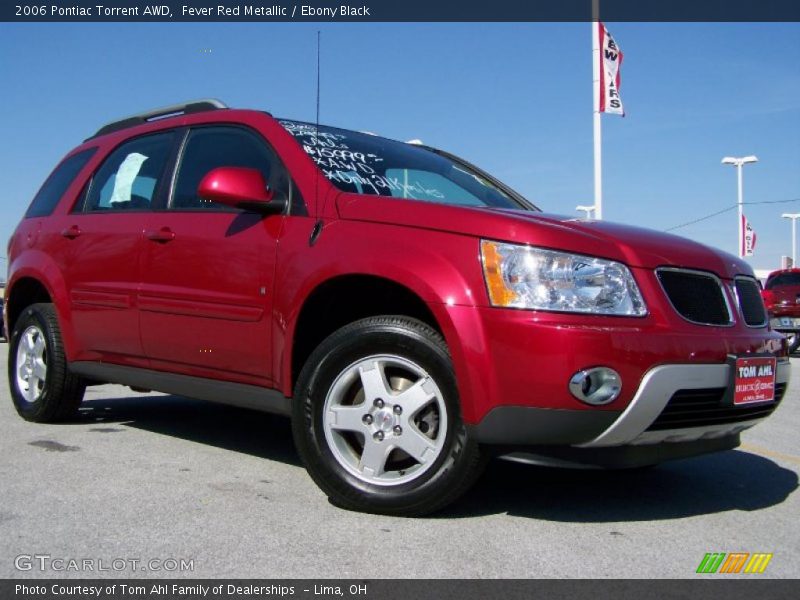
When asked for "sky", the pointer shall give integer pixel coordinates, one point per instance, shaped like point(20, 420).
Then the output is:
point(515, 99)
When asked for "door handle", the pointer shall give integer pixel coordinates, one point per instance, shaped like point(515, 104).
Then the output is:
point(71, 232)
point(163, 235)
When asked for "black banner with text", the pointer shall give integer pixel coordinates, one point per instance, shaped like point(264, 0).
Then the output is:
point(388, 589)
point(406, 11)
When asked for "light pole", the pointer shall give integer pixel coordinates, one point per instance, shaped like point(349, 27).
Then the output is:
point(793, 217)
point(738, 163)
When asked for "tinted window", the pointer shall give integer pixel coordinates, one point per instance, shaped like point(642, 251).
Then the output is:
point(211, 147)
point(426, 185)
point(783, 279)
point(47, 199)
point(362, 163)
point(129, 177)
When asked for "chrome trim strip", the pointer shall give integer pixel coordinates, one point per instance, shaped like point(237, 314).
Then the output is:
point(657, 387)
point(722, 289)
point(692, 434)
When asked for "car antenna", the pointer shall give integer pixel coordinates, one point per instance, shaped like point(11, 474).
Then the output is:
point(318, 225)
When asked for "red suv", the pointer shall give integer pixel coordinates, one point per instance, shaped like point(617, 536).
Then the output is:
point(782, 297)
point(410, 312)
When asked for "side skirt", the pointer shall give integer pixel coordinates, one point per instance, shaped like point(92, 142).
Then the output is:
point(224, 392)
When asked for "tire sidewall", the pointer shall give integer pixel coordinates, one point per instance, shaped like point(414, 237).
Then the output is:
point(796, 343)
point(333, 357)
point(30, 410)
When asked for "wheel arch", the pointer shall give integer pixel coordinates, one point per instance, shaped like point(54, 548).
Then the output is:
point(343, 299)
point(24, 292)
point(460, 326)
point(35, 278)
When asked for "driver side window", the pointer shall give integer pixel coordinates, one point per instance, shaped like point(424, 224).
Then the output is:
point(208, 148)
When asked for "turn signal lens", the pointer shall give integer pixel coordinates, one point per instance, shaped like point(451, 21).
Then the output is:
point(499, 293)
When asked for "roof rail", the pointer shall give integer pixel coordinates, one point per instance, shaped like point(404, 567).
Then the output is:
point(185, 108)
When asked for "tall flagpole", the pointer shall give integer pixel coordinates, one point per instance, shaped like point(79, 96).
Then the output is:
point(598, 145)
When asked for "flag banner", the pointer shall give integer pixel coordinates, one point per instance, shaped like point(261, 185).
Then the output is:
point(610, 64)
point(748, 238)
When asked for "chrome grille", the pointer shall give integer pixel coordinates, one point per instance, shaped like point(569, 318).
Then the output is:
point(696, 296)
point(750, 302)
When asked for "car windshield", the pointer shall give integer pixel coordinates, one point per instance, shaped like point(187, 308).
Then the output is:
point(364, 163)
point(782, 279)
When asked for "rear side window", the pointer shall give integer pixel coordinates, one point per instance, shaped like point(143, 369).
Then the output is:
point(129, 177)
point(783, 279)
point(60, 179)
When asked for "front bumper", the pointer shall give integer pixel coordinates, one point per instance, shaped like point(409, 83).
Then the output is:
point(617, 457)
point(638, 424)
point(506, 357)
point(660, 385)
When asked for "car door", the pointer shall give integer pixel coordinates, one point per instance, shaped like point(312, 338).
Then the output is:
point(102, 244)
point(207, 271)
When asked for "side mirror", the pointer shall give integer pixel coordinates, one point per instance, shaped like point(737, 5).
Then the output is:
point(239, 187)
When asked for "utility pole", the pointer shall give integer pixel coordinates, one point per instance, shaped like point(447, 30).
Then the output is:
point(739, 163)
point(793, 217)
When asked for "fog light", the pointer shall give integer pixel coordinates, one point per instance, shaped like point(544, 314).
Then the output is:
point(596, 386)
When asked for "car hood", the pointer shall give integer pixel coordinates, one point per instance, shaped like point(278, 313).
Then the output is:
point(634, 246)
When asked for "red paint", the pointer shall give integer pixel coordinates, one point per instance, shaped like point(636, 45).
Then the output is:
point(148, 289)
point(234, 185)
point(782, 300)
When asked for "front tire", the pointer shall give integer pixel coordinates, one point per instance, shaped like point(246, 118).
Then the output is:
point(793, 338)
point(376, 419)
point(42, 388)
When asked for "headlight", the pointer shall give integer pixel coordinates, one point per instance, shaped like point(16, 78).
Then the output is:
point(534, 278)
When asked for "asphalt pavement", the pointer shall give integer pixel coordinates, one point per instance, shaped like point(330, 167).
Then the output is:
point(145, 485)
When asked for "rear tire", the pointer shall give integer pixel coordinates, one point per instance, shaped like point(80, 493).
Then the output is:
point(42, 388)
point(377, 422)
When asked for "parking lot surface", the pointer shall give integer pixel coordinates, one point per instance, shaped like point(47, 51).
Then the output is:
point(149, 479)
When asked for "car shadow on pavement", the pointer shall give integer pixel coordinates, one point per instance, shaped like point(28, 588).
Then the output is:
point(732, 480)
point(240, 430)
